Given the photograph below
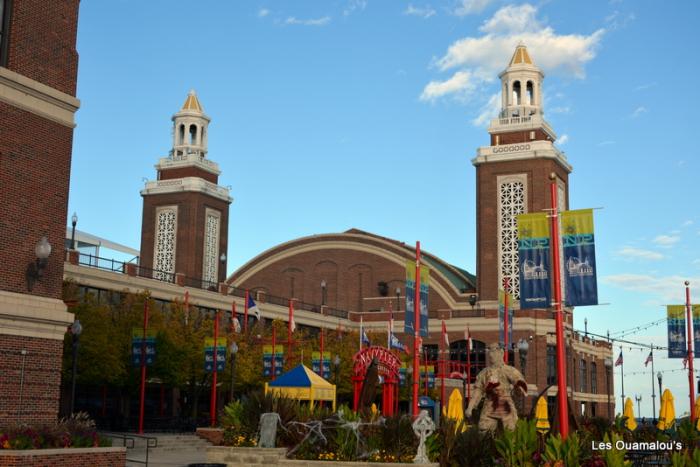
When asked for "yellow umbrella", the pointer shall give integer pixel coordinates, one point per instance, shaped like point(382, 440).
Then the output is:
point(373, 409)
point(541, 415)
point(630, 423)
point(455, 410)
point(667, 416)
point(697, 412)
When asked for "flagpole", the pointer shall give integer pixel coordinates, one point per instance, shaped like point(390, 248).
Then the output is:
point(274, 342)
point(416, 332)
point(289, 328)
point(563, 405)
point(691, 357)
point(245, 312)
point(442, 366)
point(469, 366)
point(622, 378)
point(506, 284)
point(653, 392)
point(212, 399)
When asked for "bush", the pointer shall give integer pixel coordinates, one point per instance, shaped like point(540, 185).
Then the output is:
point(77, 431)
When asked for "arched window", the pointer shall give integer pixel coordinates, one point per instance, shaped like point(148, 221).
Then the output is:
point(181, 134)
point(193, 134)
point(516, 93)
point(530, 96)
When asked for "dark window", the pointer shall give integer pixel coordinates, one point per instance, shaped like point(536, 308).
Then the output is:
point(594, 379)
point(5, 7)
point(458, 357)
point(551, 364)
point(583, 375)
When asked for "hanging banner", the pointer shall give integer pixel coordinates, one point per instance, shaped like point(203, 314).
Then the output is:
point(410, 298)
point(209, 354)
point(427, 371)
point(267, 360)
point(696, 329)
point(316, 364)
point(137, 346)
point(676, 331)
point(579, 257)
point(533, 253)
point(501, 317)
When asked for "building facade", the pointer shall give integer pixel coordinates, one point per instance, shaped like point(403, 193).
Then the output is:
point(38, 72)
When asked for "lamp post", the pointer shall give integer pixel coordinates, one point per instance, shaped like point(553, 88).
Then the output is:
point(323, 292)
point(585, 326)
point(233, 349)
point(76, 329)
point(638, 398)
point(472, 300)
point(222, 259)
point(35, 269)
point(659, 376)
point(73, 221)
point(608, 368)
point(398, 298)
point(523, 348)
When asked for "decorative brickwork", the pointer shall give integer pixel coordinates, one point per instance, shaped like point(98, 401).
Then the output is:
point(80, 457)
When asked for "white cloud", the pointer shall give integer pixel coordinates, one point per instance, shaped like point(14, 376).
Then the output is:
point(688, 223)
point(263, 12)
point(308, 22)
point(616, 20)
point(461, 82)
point(638, 253)
point(559, 110)
point(666, 240)
point(512, 19)
point(354, 5)
point(488, 111)
point(563, 139)
point(425, 12)
point(470, 7)
point(642, 87)
point(641, 110)
point(668, 288)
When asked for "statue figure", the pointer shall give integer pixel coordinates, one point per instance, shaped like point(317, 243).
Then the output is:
point(369, 386)
point(495, 383)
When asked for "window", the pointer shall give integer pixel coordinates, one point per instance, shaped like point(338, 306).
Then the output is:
point(551, 364)
point(5, 10)
point(594, 379)
point(583, 377)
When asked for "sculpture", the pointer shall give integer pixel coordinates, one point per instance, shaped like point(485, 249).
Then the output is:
point(369, 386)
point(423, 426)
point(495, 383)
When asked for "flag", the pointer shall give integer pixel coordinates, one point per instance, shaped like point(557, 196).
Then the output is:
point(618, 362)
point(685, 363)
point(253, 307)
point(292, 324)
point(650, 358)
point(444, 334)
point(396, 344)
point(364, 340)
point(236, 325)
point(468, 339)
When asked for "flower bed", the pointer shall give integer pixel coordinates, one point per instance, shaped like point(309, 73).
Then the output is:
point(77, 431)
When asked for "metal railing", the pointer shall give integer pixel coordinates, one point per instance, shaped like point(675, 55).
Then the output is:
point(129, 442)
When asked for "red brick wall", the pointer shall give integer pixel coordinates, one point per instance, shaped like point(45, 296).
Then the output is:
point(42, 42)
point(35, 156)
point(188, 172)
point(42, 379)
point(190, 230)
point(538, 195)
point(66, 458)
point(515, 137)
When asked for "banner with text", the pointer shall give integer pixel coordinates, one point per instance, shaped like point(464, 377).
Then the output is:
point(533, 252)
point(696, 329)
point(579, 257)
point(209, 354)
point(410, 298)
point(268, 359)
point(316, 364)
point(137, 346)
point(501, 317)
point(676, 331)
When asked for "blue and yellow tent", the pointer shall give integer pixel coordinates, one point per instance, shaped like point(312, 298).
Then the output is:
point(302, 384)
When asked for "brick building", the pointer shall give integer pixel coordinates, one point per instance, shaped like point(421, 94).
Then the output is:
point(38, 71)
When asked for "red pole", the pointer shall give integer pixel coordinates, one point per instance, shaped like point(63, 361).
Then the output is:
point(442, 366)
point(212, 399)
point(416, 333)
point(469, 366)
point(143, 362)
point(506, 284)
point(289, 329)
point(245, 313)
point(559, 318)
point(321, 363)
point(233, 316)
point(274, 342)
point(691, 356)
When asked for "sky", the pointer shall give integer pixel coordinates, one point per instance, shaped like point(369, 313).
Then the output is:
point(329, 115)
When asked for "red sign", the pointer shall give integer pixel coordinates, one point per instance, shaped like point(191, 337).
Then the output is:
point(388, 362)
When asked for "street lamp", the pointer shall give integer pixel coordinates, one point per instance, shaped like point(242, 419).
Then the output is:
point(336, 364)
point(398, 298)
point(638, 398)
point(659, 376)
point(233, 348)
point(74, 221)
point(585, 326)
point(523, 348)
point(35, 269)
point(608, 368)
point(75, 329)
point(323, 292)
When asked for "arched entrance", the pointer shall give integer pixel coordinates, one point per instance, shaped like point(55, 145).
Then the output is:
point(388, 366)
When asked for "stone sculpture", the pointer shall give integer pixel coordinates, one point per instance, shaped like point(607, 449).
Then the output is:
point(495, 385)
point(423, 426)
point(268, 430)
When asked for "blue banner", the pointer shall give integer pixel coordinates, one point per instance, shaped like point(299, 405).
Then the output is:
point(267, 360)
point(316, 365)
point(695, 309)
point(410, 298)
point(533, 252)
point(676, 331)
point(579, 257)
point(137, 347)
point(209, 359)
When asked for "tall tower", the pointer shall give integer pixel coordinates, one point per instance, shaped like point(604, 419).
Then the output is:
point(512, 174)
point(185, 211)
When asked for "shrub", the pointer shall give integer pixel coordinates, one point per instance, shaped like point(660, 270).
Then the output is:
point(77, 431)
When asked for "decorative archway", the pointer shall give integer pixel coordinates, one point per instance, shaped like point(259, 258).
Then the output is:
point(388, 368)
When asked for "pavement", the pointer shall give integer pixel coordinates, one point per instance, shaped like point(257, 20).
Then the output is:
point(166, 458)
point(173, 450)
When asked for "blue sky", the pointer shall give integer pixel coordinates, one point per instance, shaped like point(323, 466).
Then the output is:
point(328, 115)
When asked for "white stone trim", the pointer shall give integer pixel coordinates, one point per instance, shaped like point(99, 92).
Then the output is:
point(521, 151)
point(211, 260)
point(502, 180)
point(156, 232)
point(37, 98)
point(188, 160)
point(186, 184)
point(33, 316)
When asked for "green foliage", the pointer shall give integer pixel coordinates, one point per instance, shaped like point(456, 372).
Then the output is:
point(516, 448)
point(614, 457)
point(473, 448)
point(568, 451)
point(74, 432)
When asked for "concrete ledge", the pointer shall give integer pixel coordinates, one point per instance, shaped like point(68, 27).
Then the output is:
point(33, 316)
point(214, 435)
point(68, 457)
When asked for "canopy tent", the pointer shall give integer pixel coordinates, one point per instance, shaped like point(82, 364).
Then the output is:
point(303, 384)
